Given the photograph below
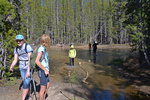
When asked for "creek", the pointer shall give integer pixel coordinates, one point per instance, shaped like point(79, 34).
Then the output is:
point(107, 77)
point(106, 83)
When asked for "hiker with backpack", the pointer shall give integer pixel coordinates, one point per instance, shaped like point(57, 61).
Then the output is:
point(42, 61)
point(23, 52)
point(72, 54)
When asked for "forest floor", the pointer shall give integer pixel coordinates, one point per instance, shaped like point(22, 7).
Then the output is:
point(61, 90)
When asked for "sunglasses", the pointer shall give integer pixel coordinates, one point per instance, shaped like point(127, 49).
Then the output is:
point(19, 40)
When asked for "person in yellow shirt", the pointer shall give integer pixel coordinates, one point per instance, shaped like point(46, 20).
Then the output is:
point(72, 54)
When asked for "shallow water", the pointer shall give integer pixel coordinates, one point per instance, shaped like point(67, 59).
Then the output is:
point(105, 82)
point(102, 56)
point(107, 95)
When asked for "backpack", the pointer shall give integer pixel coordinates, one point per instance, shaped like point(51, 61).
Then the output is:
point(33, 65)
point(25, 52)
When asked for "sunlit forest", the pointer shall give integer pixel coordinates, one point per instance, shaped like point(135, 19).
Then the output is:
point(75, 21)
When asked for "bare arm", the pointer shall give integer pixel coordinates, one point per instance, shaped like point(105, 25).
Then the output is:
point(37, 61)
point(29, 56)
point(14, 62)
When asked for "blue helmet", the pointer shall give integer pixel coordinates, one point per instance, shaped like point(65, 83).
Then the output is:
point(19, 37)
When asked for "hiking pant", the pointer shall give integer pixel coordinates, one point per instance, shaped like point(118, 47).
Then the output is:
point(71, 61)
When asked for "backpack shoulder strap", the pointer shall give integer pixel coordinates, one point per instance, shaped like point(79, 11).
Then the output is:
point(26, 47)
point(17, 49)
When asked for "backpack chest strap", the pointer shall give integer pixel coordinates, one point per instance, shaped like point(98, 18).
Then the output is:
point(23, 60)
point(25, 50)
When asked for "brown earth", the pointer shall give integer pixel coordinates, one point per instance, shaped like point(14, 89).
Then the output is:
point(57, 91)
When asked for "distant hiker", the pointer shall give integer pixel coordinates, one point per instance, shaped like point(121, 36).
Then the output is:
point(89, 46)
point(94, 46)
point(72, 54)
point(42, 61)
point(23, 52)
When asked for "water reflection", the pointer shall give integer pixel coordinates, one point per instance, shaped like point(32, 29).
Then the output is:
point(94, 57)
point(106, 95)
point(122, 95)
point(102, 56)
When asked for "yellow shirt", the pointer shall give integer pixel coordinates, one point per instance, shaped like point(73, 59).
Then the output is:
point(72, 53)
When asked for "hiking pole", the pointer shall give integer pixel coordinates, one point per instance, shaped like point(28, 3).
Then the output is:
point(34, 87)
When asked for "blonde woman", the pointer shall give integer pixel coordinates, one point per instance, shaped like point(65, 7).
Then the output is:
point(42, 60)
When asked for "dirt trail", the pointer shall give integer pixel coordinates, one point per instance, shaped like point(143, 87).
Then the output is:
point(57, 91)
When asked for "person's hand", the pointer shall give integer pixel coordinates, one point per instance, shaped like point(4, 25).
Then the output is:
point(46, 72)
point(11, 69)
point(28, 74)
